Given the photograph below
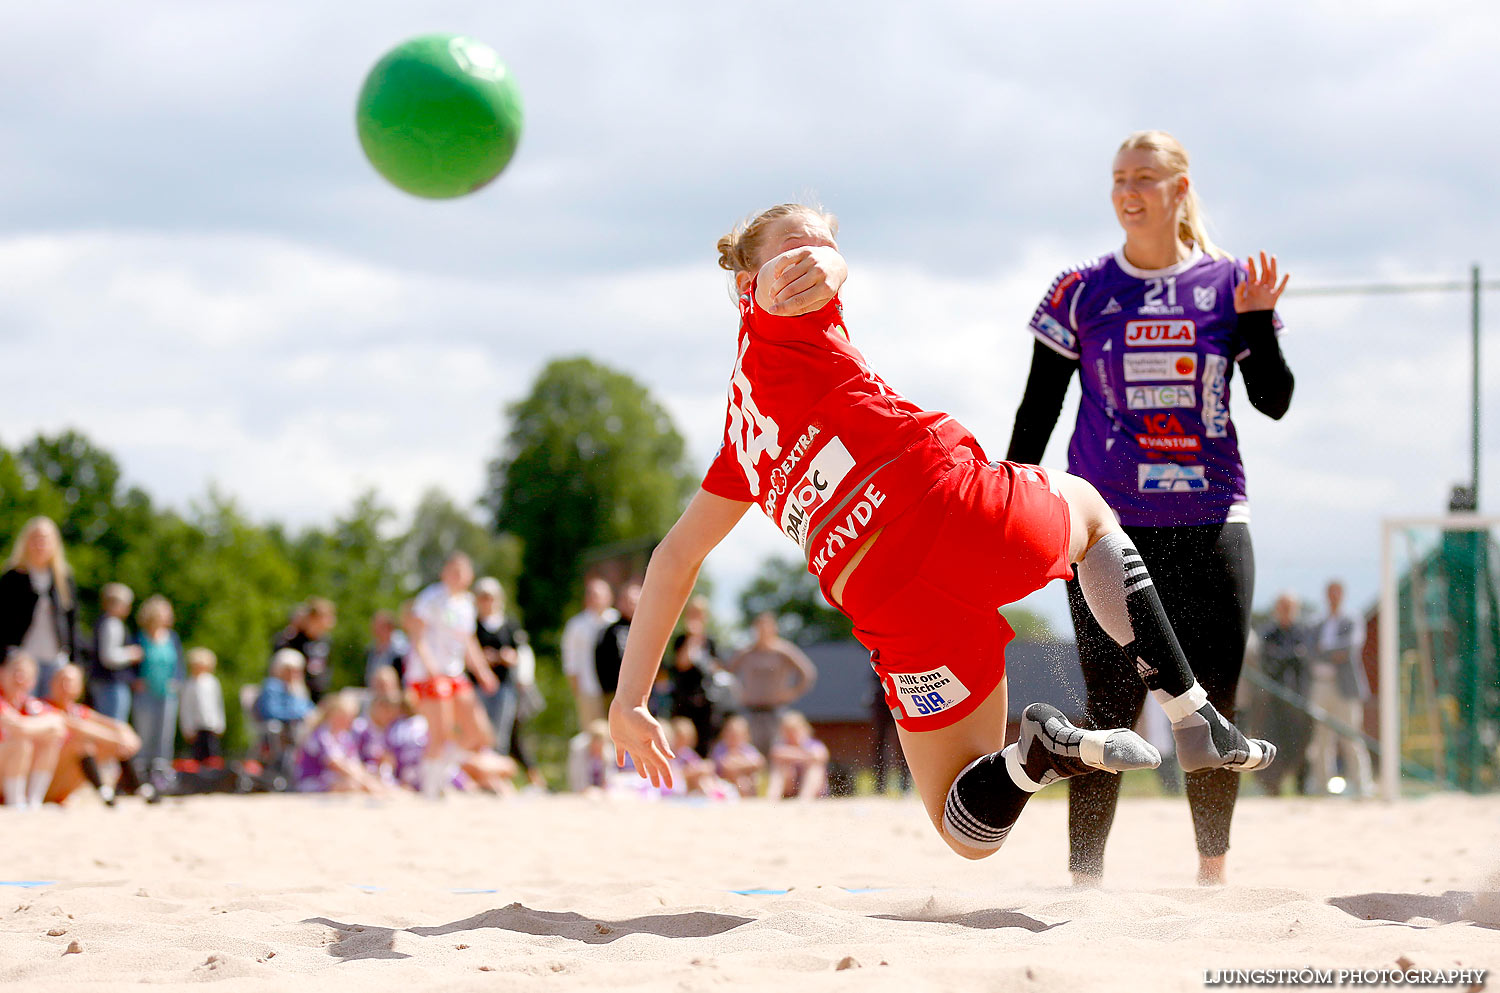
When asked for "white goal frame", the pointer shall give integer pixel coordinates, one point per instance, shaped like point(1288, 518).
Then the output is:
point(1390, 712)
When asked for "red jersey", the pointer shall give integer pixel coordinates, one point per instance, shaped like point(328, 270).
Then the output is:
point(819, 442)
point(30, 707)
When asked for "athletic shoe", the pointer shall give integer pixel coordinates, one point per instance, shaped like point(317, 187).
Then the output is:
point(1205, 740)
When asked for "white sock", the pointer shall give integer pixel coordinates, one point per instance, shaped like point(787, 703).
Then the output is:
point(109, 771)
point(36, 791)
point(15, 791)
point(1178, 708)
point(1016, 770)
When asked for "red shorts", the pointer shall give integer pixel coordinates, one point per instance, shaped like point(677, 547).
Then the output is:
point(441, 687)
point(925, 600)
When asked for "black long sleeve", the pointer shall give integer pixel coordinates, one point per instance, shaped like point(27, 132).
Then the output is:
point(1041, 403)
point(1268, 380)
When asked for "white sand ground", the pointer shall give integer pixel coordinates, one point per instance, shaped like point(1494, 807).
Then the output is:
point(565, 893)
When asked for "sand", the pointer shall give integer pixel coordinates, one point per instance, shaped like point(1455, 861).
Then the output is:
point(276, 893)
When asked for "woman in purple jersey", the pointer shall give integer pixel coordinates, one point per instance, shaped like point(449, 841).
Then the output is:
point(1154, 331)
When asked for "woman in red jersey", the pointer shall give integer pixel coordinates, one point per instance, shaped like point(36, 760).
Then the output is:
point(914, 534)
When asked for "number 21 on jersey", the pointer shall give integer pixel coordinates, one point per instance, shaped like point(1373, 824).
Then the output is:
point(1154, 288)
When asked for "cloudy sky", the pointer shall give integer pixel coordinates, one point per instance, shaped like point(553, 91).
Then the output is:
point(199, 270)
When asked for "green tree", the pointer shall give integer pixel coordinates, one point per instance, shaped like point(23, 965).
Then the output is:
point(77, 484)
point(439, 527)
point(227, 580)
point(590, 459)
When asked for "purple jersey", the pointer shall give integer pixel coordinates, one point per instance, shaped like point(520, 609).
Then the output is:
point(1156, 351)
point(314, 759)
point(406, 741)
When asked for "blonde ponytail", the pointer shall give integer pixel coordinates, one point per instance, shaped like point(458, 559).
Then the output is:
point(740, 248)
point(1192, 224)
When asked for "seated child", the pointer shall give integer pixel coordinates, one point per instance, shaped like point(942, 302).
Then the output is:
point(328, 760)
point(799, 762)
point(91, 740)
point(697, 773)
point(31, 735)
point(735, 759)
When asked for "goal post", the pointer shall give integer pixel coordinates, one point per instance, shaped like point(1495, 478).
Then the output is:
point(1443, 649)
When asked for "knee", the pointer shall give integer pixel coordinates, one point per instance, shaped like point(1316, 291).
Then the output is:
point(972, 854)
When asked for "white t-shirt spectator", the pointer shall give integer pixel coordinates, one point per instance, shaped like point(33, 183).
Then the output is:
point(202, 705)
point(579, 638)
point(448, 622)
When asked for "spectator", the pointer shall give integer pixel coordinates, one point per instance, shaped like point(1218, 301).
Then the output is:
point(157, 685)
point(370, 733)
point(385, 682)
point(281, 706)
point(498, 640)
point(697, 773)
point(328, 760)
point(38, 599)
point(736, 759)
point(116, 654)
point(799, 761)
point(308, 632)
point(442, 629)
point(388, 647)
point(203, 706)
point(116, 665)
point(693, 661)
point(591, 759)
point(1340, 688)
point(31, 737)
point(1284, 661)
point(92, 739)
point(579, 638)
point(406, 741)
point(530, 702)
point(610, 651)
point(773, 674)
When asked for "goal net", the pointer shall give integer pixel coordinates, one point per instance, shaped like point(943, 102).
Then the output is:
point(1438, 652)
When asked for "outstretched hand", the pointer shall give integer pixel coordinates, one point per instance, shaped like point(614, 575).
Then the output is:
point(1259, 291)
point(802, 280)
point(637, 734)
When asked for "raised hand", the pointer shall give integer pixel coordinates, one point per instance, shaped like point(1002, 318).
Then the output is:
point(802, 280)
point(636, 733)
point(1259, 291)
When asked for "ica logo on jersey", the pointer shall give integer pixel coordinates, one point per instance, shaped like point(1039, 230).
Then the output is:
point(1165, 332)
point(1165, 433)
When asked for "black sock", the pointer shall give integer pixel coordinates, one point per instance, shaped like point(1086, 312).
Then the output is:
point(1158, 657)
point(1117, 587)
point(984, 802)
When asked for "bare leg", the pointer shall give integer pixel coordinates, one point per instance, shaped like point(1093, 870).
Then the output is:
point(474, 729)
point(937, 757)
